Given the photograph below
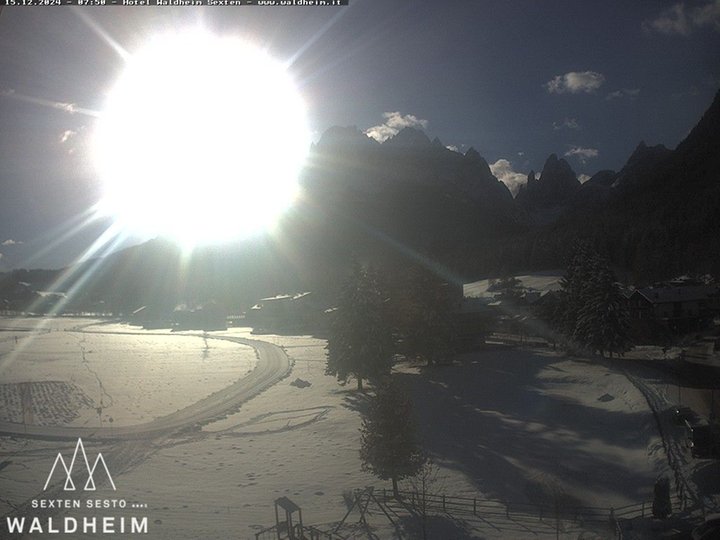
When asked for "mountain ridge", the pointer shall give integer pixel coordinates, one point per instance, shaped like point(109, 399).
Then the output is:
point(415, 200)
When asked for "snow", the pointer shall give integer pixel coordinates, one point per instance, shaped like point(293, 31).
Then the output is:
point(538, 281)
point(539, 426)
point(115, 378)
point(503, 424)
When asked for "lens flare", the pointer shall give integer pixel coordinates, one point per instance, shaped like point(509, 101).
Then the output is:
point(201, 139)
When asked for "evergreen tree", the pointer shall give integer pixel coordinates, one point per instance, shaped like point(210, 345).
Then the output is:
point(572, 289)
point(602, 321)
point(389, 448)
point(423, 317)
point(509, 288)
point(592, 309)
point(360, 340)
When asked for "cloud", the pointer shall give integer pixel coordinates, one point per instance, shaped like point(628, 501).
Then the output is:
point(707, 15)
point(567, 123)
point(575, 82)
point(75, 140)
point(583, 154)
point(11, 242)
point(394, 122)
point(671, 21)
point(504, 172)
point(66, 135)
point(583, 178)
point(453, 148)
point(625, 92)
point(71, 108)
point(681, 20)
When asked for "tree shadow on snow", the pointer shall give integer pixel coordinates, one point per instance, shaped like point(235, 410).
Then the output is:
point(493, 420)
point(356, 401)
point(436, 527)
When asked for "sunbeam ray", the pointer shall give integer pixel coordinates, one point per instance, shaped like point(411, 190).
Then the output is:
point(316, 36)
point(61, 234)
point(70, 108)
point(100, 32)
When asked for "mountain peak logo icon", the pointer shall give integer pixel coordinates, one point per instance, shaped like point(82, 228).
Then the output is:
point(90, 483)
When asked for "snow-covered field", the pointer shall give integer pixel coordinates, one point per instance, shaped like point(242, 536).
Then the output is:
point(101, 377)
point(529, 426)
point(539, 281)
point(505, 424)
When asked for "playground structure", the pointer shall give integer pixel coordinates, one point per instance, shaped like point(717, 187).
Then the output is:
point(288, 528)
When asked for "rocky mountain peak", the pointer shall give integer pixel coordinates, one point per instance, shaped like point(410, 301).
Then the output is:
point(558, 173)
point(409, 138)
point(556, 184)
point(642, 162)
point(643, 152)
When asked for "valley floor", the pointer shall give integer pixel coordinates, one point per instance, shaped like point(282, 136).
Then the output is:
point(520, 426)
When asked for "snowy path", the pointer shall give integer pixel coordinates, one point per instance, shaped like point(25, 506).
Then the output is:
point(273, 364)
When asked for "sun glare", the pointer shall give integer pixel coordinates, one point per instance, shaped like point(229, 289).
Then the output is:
point(201, 140)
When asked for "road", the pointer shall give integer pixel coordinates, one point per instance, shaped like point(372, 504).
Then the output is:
point(273, 365)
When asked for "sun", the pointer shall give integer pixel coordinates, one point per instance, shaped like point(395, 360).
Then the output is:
point(201, 139)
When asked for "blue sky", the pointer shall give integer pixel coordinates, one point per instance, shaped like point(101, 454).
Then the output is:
point(516, 80)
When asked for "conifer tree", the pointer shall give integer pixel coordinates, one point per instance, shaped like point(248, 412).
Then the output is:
point(422, 315)
point(389, 447)
point(591, 308)
point(602, 321)
point(360, 340)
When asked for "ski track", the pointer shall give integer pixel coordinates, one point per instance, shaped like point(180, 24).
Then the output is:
point(132, 445)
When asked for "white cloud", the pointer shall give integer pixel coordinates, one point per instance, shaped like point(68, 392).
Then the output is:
point(504, 172)
point(66, 135)
point(11, 242)
point(75, 140)
point(625, 92)
point(567, 123)
point(583, 154)
point(71, 108)
point(393, 123)
point(453, 148)
point(707, 15)
point(583, 178)
point(575, 82)
point(681, 20)
point(671, 21)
